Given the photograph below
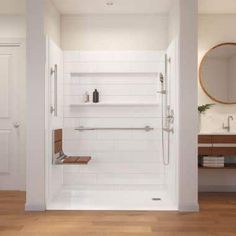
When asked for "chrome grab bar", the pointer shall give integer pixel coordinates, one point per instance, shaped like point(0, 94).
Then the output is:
point(53, 71)
point(146, 128)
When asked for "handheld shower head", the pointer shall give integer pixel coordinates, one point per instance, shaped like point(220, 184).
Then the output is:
point(161, 78)
point(163, 91)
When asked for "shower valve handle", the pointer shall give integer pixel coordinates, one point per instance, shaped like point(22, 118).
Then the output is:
point(162, 92)
point(169, 130)
point(52, 109)
point(170, 115)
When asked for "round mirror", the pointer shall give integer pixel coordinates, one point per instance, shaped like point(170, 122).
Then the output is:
point(218, 73)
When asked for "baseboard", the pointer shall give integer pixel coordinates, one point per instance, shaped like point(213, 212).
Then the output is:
point(217, 188)
point(189, 208)
point(32, 207)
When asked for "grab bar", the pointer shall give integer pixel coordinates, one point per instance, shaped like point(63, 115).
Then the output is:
point(54, 109)
point(146, 128)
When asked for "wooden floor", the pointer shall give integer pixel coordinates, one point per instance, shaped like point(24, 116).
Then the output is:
point(217, 217)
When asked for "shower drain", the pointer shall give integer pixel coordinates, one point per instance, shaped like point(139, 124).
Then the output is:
point(156, 199)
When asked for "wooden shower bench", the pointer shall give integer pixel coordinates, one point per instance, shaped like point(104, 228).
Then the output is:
point(58, 155)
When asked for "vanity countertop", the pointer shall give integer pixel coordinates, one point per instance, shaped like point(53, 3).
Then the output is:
point(217, 133)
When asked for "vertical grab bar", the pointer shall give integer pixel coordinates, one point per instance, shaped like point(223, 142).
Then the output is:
point(54, 108)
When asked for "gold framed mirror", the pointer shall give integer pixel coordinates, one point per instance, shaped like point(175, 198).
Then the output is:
point(217, 73)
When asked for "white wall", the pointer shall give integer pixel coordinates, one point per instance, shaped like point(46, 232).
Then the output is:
point(52, 25)
point(183, 27)
point(36, 61)
point(173, 21)
point(215, 29)
point(187, 113)
point(12, 7)
point(114, 32)
point(12, 26)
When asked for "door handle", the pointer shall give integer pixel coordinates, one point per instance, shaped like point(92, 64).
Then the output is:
point(16, 125)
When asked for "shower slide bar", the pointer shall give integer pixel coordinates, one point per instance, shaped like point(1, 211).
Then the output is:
point(146, 128)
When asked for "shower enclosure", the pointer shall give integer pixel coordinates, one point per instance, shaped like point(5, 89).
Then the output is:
point(122, 153)
point(128, 134)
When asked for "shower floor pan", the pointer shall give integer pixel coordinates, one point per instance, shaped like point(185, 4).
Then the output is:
point(78, 199)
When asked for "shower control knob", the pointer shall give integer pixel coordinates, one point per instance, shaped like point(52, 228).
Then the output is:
point(170, 115)
point(162, 92)
point(52, 109)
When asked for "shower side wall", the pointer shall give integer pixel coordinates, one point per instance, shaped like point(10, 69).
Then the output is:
point(171, 171)
point(54, 173)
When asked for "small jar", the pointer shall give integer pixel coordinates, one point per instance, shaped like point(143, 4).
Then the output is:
point(86, 97)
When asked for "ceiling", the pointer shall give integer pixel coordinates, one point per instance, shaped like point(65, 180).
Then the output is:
point(118, 7)
point(16, 7)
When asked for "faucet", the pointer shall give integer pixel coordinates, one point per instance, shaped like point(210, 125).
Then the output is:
point(228, 125)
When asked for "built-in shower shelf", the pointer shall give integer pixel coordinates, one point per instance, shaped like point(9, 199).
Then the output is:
point(103, 104)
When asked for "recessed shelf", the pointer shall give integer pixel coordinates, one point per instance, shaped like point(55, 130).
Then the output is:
point(101, 104)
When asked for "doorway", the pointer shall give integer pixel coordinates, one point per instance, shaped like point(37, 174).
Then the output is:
point(12, 112)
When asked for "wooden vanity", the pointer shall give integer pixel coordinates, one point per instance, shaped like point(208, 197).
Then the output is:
point(217, 145)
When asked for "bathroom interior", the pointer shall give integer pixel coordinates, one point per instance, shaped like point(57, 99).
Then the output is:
point(111, 104)
point(126, 146)
point(97, 45)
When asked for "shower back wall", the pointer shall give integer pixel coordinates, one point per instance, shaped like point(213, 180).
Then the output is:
point(120, 159)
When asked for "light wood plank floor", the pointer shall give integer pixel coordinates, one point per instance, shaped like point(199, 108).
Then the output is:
point(217, 217)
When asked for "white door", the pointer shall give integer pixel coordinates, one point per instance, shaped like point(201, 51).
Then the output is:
point(10, 173)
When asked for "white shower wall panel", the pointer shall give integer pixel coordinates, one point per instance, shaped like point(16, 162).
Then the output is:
point(55, 173)
point(128, 157)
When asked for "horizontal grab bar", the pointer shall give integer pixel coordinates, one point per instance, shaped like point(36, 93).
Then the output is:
point(146, 128)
